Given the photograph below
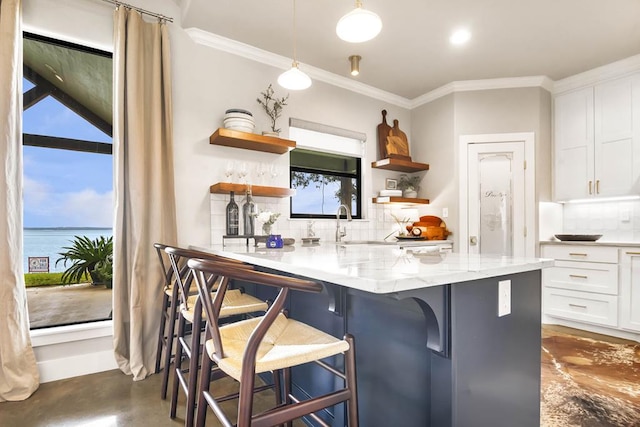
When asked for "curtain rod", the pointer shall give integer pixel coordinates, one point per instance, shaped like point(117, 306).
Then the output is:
point(146, 12)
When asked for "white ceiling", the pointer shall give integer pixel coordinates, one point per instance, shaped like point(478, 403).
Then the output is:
point(412, 54)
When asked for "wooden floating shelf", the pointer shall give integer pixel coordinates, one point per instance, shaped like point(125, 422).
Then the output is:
point(405, 200)
point(256, 190)
point(400, 165)
point(251, 141)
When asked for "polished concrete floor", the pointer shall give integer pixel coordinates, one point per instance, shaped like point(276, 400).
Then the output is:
point(106, 399)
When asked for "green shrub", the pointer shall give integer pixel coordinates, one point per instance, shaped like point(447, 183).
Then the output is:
point(85, 255)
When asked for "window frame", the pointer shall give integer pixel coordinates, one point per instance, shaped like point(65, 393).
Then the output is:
point(357, 176)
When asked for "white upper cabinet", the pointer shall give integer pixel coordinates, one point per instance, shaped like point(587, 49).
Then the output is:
point(597, 140)
point(573, 144)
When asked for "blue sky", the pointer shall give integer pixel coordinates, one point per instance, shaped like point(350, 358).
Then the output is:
point(65, 188)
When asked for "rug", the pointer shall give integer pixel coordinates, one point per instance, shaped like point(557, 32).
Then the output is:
point(588, 382)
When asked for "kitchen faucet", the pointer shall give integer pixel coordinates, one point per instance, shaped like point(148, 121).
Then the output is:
point(341, 233)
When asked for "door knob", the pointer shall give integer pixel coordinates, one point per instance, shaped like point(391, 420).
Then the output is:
point(473, 240)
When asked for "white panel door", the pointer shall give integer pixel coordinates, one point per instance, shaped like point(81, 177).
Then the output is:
point(573, 145)
point(496, 199)
point(616, 146)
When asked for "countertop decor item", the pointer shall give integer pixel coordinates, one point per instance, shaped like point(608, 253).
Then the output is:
point(272, 106)
point(578, 237)
point(267, 219)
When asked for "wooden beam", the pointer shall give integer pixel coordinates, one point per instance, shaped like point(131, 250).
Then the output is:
point(33, 96)
point(66, 144)
point(68, 101)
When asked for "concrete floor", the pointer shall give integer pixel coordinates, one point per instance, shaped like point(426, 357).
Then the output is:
point(64, 305)
point(107, 399)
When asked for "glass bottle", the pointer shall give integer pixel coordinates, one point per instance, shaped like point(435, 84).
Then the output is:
point(249, 212)
point(232, 217)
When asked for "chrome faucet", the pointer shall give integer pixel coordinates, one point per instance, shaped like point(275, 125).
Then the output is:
point(341, 233)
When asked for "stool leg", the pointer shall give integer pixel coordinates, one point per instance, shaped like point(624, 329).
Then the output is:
point(193, 364)
point(169, 342)
point(177, 365)
point(245, 401)
point(162, 331)
point(205, 381)
point(286, 373)
point(350, 373)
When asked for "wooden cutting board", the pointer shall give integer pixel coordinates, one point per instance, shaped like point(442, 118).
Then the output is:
point(397, 142)
point(383, 133)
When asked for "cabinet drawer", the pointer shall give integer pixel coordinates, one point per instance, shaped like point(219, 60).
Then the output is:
point(581, 253)
point(582, 276)
point(582, 306)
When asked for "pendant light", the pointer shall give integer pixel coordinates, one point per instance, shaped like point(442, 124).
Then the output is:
point(359, 25)
point(294, 79)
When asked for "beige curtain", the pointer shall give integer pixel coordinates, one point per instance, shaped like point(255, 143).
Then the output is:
point(18, 371)
point(144, 188)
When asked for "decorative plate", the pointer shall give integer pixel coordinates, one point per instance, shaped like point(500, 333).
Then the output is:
point(578, 237)
point(411, 237)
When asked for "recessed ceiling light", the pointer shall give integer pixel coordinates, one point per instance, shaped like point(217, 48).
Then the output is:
point(460, 36)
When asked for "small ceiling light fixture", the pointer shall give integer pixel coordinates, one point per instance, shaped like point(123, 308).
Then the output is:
point(355, 64)
point(359, 25)
point(460, 37)
point(294, 79)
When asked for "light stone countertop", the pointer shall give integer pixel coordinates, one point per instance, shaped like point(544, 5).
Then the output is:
point(596, 243)
point(378, 269)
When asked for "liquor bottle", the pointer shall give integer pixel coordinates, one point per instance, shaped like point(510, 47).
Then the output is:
point(249, 212)
point(232, 217)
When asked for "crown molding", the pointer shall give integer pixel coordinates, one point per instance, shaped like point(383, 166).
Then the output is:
point(598, 75)
point(259, 55)
point(278, 61)
point(486, 84)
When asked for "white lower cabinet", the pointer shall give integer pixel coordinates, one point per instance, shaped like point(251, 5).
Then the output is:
point(630, 289)
point(597, 285)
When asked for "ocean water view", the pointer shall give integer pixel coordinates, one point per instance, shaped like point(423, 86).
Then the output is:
point(49, 242)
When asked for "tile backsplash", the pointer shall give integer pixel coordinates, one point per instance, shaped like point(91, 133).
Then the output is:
point(378, 224)
point(616, 221)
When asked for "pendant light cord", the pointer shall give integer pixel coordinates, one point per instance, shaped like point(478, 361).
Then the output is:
point(295, 56)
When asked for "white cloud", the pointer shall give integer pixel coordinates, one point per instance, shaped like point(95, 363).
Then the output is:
point(84, 208)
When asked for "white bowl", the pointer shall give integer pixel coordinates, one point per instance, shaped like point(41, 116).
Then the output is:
point(248, 129)
point(238, 116)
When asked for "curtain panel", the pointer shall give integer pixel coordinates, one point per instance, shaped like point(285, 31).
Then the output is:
point(18, 370)
point(144, 185)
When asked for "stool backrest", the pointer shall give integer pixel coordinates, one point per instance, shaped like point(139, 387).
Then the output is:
point(204, 268)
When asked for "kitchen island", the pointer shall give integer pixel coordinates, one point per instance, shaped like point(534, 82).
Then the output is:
point(431, 349)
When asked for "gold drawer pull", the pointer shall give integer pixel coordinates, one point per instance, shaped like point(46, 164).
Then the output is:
point(576, 254)
point(577, 306)
point(578, 276)
point(633, 253)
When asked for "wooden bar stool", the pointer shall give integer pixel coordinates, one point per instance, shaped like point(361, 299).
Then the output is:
point(234, 303)
point(273, 343)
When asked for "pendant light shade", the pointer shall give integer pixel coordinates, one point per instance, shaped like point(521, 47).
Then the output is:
point(294, 79)
point(359, 25)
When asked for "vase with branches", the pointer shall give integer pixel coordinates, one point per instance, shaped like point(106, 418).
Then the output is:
point(272, 106)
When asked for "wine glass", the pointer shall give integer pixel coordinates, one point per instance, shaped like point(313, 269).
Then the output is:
point(228, 171)
point(261, 170)
point(242, 172)
point(273, 171)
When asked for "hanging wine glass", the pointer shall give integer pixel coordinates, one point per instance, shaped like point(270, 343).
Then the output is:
point(228, 171)
point(242, 172)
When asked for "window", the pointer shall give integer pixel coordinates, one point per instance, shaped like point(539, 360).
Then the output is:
point(325, 171)
point(68, 172)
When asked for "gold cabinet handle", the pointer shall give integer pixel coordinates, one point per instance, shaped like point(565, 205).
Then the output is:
point(633, 253)
point(590, 185)
point(597, 186)
point(577, 306)
point(576, 254)
point(578, 276)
